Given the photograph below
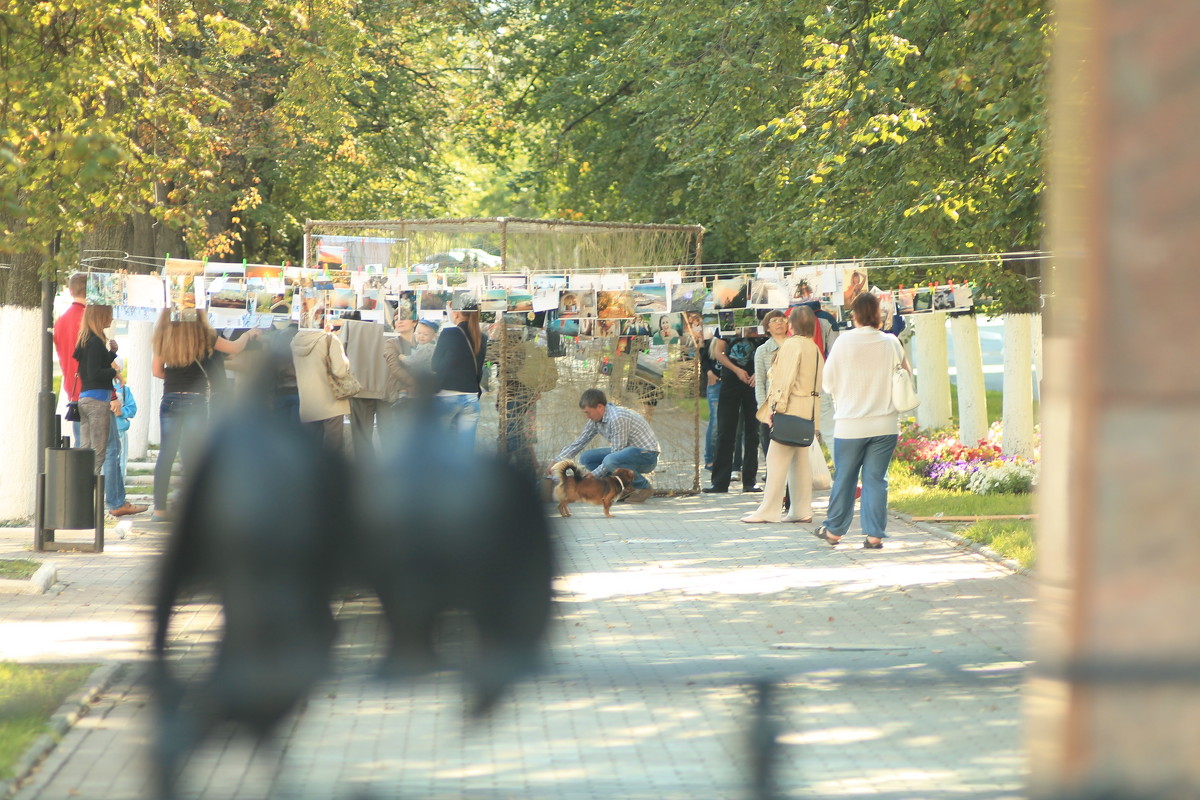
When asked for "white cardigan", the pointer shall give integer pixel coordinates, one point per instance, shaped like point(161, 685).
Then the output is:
point(859, 376)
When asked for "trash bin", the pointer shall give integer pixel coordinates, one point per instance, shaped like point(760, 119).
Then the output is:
point(70, 489)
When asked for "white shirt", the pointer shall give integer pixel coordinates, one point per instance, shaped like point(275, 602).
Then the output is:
point(859, 376)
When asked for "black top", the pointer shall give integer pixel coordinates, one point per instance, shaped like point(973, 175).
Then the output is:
point(95, 365)
point(457, 370)
point(190, 379)
point(740, 350)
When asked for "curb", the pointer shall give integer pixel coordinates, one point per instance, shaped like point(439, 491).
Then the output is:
point(38, 583)
point(982, 549)
point(60, 722)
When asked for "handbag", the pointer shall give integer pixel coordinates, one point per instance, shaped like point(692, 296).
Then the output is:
point(344, 385)
point(72, 414)
point(792, 430)
point(904, 396)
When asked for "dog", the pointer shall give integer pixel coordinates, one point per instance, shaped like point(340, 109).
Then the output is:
point(574, 485)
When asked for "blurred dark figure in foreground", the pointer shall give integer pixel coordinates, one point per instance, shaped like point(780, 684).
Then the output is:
point(274, 523)
point(442, 528)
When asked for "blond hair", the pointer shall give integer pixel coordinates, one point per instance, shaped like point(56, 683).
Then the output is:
point(95, 320)
point(179, 343)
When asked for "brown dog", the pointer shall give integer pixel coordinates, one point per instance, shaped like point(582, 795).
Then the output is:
point(573, 485)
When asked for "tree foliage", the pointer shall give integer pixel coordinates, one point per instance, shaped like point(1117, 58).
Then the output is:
point(792, 129)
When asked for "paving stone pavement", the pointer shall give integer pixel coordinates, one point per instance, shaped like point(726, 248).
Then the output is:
point(896, 674)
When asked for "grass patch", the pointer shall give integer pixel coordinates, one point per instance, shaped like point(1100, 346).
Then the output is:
point(1010, 538)
point(995, 406)
point(18, 569)
point(29, 695)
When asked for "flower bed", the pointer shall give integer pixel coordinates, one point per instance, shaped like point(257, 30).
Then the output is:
point(940, 460)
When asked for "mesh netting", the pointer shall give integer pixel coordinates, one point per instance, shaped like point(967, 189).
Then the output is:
point(532, 411)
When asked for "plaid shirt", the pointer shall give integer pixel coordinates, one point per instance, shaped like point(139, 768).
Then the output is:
point(622, 427)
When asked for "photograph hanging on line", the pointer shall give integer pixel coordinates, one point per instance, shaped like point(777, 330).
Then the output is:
point(666, 329)
point(943, 298)
point(229, 294)
point(145, 291)
point(887, 308)
point(922, 300)
point(182, 291)
point(105, 288)
point(855, 281)
point(688, 297)
point(768, 293)
point(731, 292)
point(650, 298)
point(430, 300)
point(963, 295)
point(725, 321)
point(904, 300)
point(614, 304)
point(312, 309)
point(520, 301)
point(577, 303)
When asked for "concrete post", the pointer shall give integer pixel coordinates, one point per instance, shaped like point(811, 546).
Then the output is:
point(1018, 385)
point(933, 370)
point(137, 342)
point(968, 362)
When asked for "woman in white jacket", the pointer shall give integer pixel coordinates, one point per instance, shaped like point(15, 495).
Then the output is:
point(865, 424)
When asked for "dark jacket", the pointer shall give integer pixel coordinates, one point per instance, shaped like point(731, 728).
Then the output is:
point(95, 364)
point(457, 370)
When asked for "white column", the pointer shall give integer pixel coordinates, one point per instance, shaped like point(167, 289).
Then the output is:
point(20, 330)
point(137, 348)
point(968, 361)
point(1018, 385)
point(932, 368)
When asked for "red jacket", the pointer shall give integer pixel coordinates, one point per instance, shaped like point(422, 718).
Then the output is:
point(66, 335)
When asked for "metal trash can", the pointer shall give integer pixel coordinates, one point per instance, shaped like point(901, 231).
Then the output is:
point(70, 489)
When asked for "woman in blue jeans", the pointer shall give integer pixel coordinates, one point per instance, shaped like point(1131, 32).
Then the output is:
point(858, 374)
point(184, 354)
point(458, 372)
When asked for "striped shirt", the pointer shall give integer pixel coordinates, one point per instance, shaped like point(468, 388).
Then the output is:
point(622, 427)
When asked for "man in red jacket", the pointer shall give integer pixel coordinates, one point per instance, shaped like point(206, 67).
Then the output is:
point(66, 332)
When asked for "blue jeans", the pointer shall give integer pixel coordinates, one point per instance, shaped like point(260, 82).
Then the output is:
point(460, 412)
point(176, 411)
point(710, 434)
point(870, 456)
point(114, 474)
point(601, 461)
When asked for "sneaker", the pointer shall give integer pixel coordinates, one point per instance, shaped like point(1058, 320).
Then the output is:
point(714, 490)
point(127, 509)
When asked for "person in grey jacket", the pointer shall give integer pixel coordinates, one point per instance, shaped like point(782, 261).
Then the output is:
point(363, 342)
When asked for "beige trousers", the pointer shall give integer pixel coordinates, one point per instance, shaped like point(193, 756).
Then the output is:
point(788, 466)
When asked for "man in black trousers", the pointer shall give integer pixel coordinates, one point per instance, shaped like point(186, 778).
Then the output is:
point(736, 398)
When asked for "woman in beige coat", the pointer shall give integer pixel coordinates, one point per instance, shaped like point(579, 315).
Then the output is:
point(795, 386)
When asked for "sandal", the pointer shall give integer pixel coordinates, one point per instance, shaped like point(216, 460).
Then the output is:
point(867, 545)
point(823, 534)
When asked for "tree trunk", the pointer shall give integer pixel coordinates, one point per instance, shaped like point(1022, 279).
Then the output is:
point(20, 330)
point(933, 372)
point(20, 364)
point(972, 394)
point(141, 383)
point(1018, 385)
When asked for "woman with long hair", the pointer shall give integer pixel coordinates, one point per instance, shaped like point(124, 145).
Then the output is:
point(866, 425)
point(458, 371)
point(794, 386)
point(95, 380)
point(183, 357)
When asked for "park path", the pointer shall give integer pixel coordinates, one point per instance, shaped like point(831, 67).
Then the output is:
point(896, 674)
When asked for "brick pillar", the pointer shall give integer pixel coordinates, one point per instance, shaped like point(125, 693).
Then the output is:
point(1119, 530)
